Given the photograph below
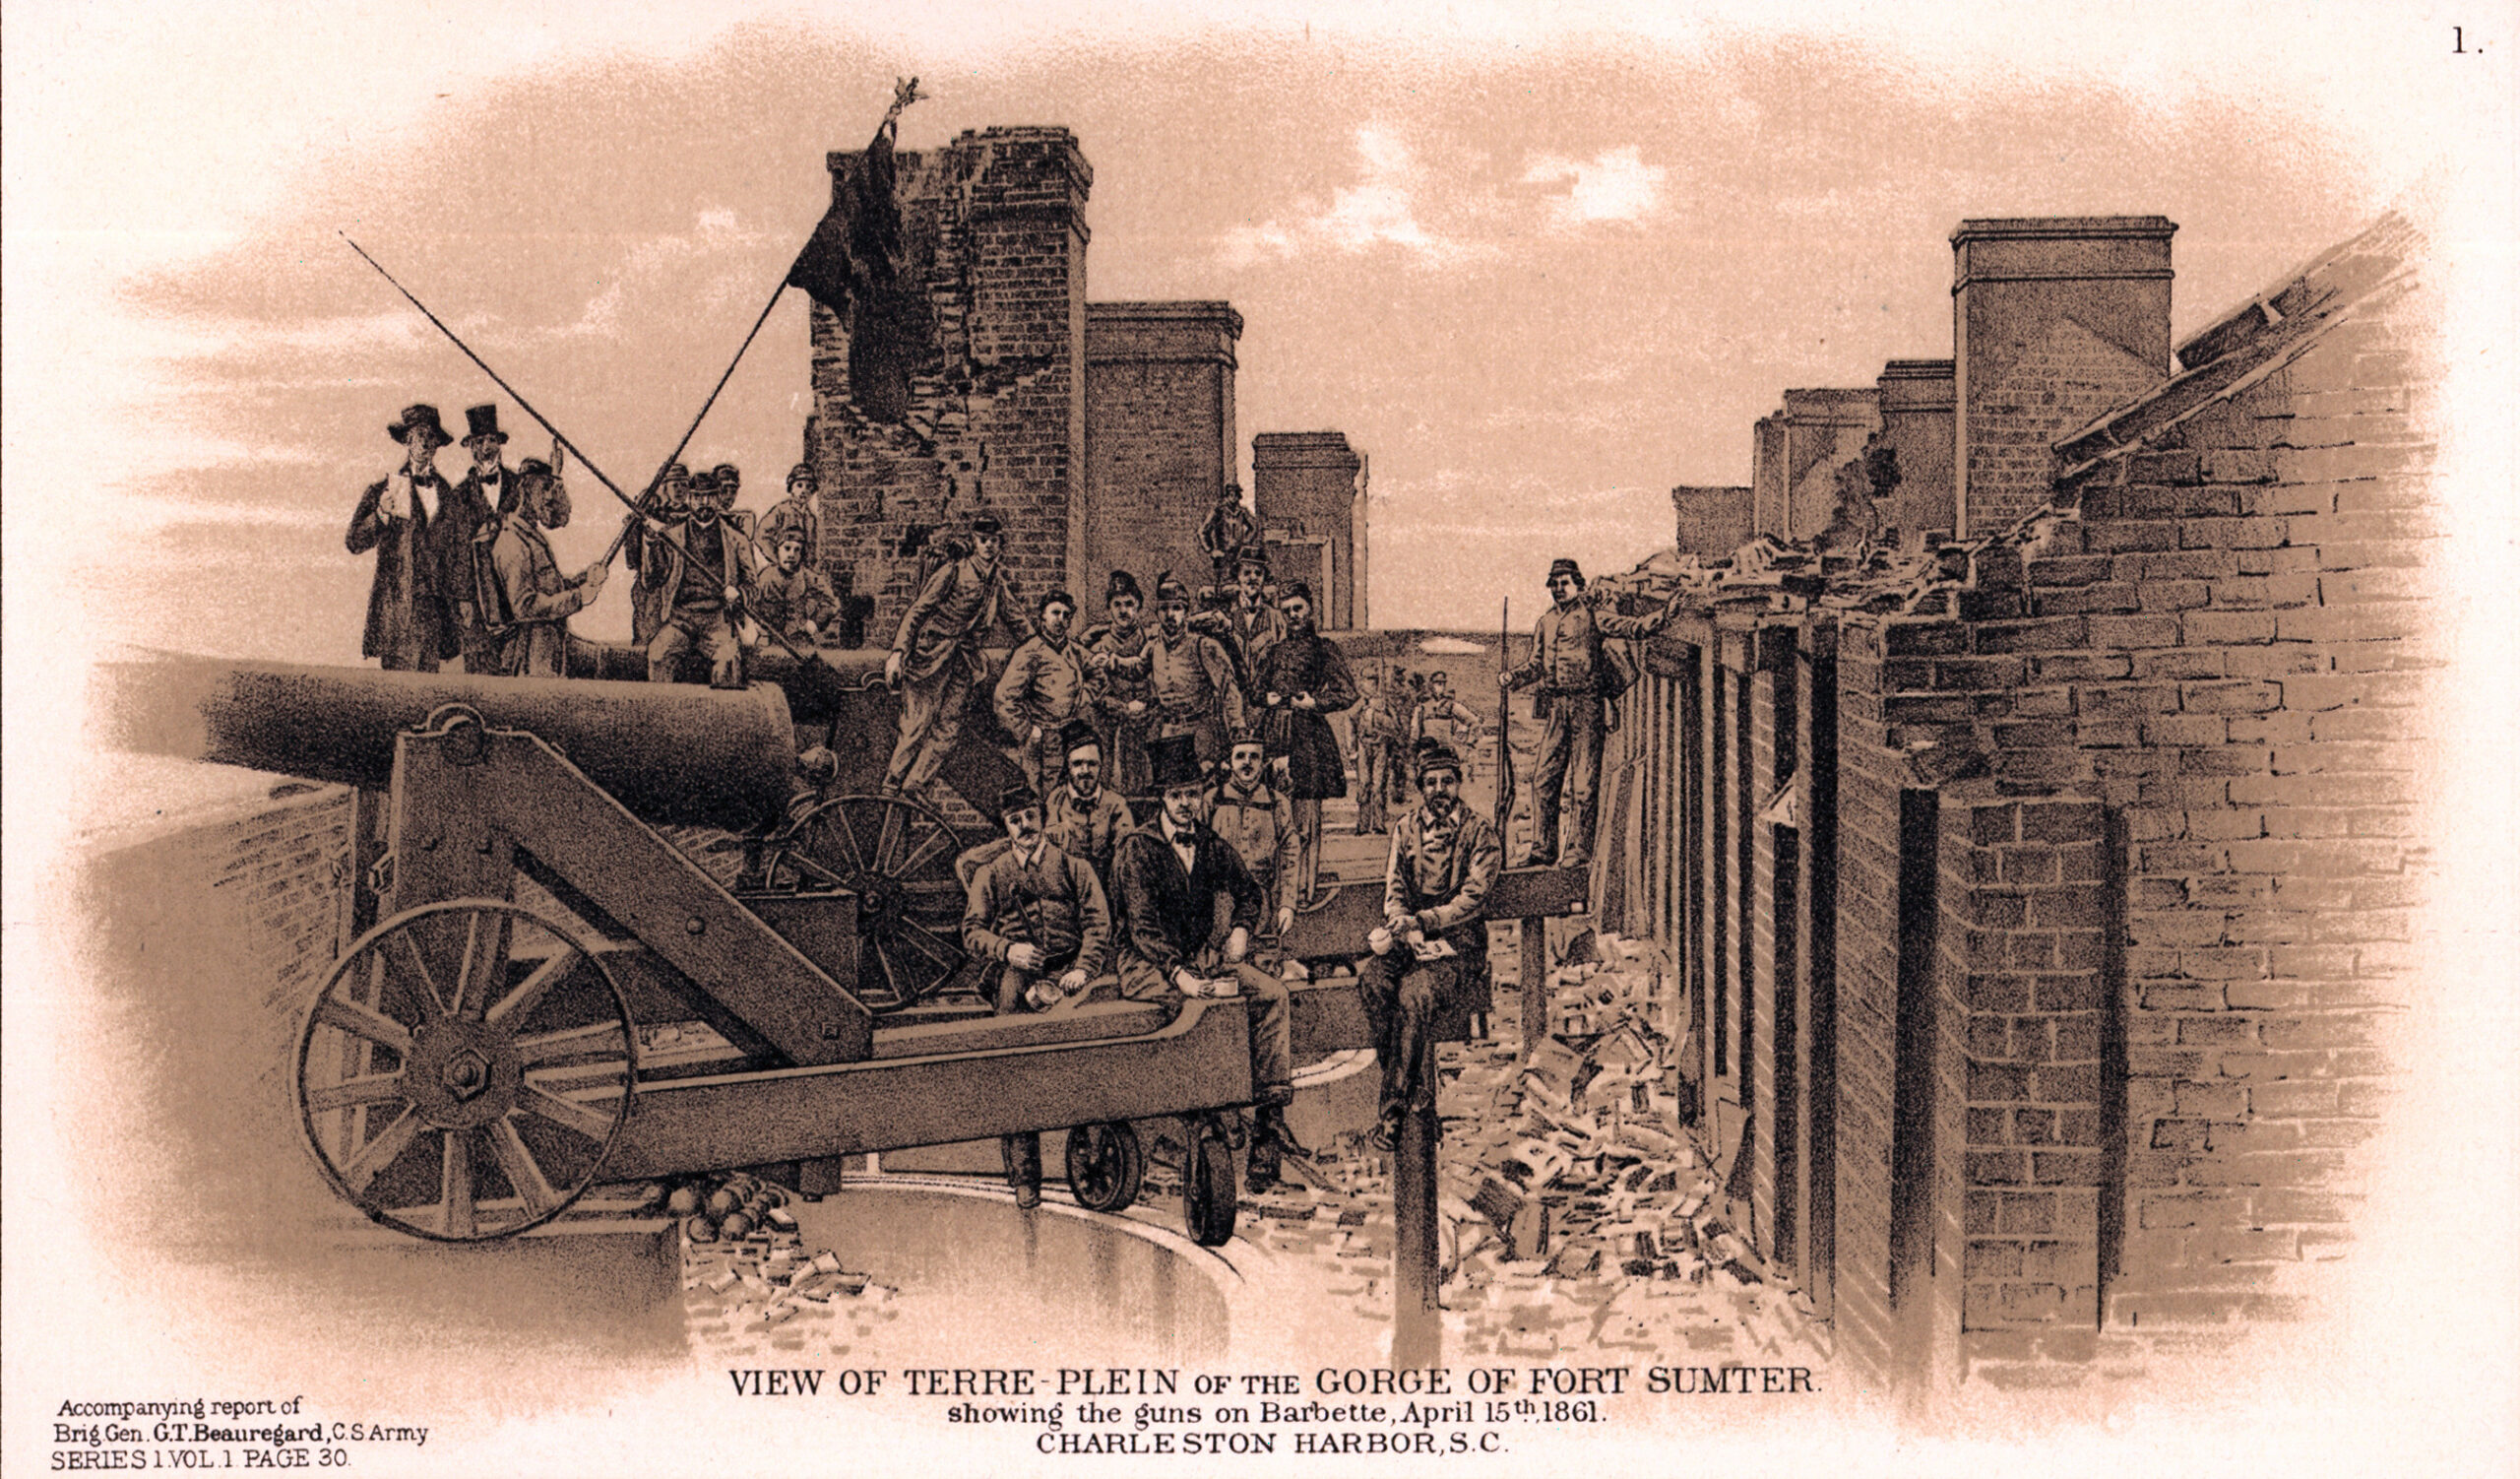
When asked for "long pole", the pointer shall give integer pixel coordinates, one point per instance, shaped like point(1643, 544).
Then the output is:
point(694, 428)
point(557, 435)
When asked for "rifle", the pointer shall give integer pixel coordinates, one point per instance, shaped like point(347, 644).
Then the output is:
point(1504, 724)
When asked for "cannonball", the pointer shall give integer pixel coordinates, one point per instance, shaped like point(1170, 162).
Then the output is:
point(700, 1230)
point(736, 1225)
point(724, 1200)
point(684, 1201)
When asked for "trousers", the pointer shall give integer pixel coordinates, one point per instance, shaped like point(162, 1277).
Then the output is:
point(704, 630)
point(1400, 1003)
point(931, 723)
point(1569, 761)
point(1023, 1152)
point(1273, 1069)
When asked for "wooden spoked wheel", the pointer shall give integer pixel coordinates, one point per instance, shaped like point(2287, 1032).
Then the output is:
point(464, 1070)
point(1104, 1165)
point(898, 857)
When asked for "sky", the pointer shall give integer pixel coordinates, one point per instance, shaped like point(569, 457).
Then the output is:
point(1537, 274)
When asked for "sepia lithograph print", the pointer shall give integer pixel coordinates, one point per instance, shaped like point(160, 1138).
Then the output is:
point(999, 739)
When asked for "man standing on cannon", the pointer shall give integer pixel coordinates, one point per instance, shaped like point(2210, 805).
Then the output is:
point(1197, 696)
point(699, 566)
point(1043, 690)
point(1573, 681)
point(1301, 680)
point(1444, 858)
point(490, 487)
point(410, 616)
point(937, 653)
point(1172, 874)
point(1037, 915)
point(525, 603)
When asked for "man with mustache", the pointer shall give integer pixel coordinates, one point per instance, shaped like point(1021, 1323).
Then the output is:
point(410, 617)
point(1301, 681)
point(700, 570)
point(1196, 694)
point(1084, 816)
point(1043, 688)
point(1119, 662)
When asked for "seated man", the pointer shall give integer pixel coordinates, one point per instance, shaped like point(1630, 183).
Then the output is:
point(1259, 820)
point(1039, 916)
point(792, 599)
point(1172, 873)
point(1084, 816)
point(1444, 858)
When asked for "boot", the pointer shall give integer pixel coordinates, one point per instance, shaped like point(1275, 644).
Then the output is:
point(1269, 1125)
point(1022, 1156)
point(1260, 1166)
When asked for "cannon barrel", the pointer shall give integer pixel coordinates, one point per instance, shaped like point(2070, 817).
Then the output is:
point(671, 752)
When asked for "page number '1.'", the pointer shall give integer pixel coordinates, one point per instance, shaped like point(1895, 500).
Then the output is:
point(2459, 43)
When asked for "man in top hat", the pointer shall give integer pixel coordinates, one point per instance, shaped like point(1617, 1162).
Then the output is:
point(1119, 660)
point(669, 503)
point(1082, 814)
point(1172, 874)
point(1301, 681)
point(488, 487)
point(1259, 820)
point(1196, 694)
point(1441, 716)
point(937, 653)
point(1567, 671)
point(1444, 858)
point(1038, 916)
point(1043, 690)
point(410, 616)
point(1227, 530)
point(524, 601)
point(700, 568)
point(792, 598)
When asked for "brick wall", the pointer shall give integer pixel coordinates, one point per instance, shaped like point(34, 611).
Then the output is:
point(1309, 482)
point(993, 225)
point(1713, 522)
point(1159, 437)
point(1917, 428)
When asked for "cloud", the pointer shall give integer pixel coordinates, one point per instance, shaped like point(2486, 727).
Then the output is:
point(1381, 209)
point(1615, 185)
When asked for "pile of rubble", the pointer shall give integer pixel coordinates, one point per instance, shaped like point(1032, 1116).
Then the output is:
point(746, 1273)
point(1573, 1215)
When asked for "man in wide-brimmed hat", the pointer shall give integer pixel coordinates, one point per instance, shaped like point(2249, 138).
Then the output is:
point(411, 608)
point(1570, 677)
point(1039, 916)
point(1170, 875)
point(1444, 858)
point(524, 601)
point(937, 653)
point(702, 574)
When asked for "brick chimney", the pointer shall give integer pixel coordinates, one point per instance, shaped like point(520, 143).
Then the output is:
point(1160, 441)
point(1308, 492)
point(2054, 320)
point(1917, 432)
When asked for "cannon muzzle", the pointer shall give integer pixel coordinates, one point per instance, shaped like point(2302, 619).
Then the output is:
point(671, 752)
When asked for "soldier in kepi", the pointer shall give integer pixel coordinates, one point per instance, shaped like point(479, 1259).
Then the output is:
point(1118, 659)
point(1433, 939)
point(1038, 916)
point(1196, 695)
point(1043, 690)
point(1227, 530)
point(1572, 679)
point(1374, 736)
point(524, 601)
point(1173, 873)
point(700, 568)
point(410, 622)
point(1301, 681)
point(936, 654)
point(792, 598)
point(1443, 717)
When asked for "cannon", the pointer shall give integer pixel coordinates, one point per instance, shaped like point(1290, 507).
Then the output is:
point(552, 993)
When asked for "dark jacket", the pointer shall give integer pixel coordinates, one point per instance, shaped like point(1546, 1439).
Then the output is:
point(1055, 904)
point(953, 609)
point(410, 611)
point(524, 601)
point(1167, 913)
point(1306, 662)
point(1438, 876)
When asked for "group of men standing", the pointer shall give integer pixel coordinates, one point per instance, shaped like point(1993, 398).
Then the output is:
point(465, 569)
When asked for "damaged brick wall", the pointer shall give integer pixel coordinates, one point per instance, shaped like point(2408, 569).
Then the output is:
point(1158, 438)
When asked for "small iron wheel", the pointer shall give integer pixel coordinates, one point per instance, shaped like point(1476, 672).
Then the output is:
point(464, 1070)
point(1104, 1165)
point(1208, 1203)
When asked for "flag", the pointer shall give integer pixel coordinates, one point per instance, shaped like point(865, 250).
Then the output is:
point(853, 265)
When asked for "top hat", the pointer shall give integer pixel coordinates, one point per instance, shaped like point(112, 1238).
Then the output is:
point(419, 419)
point(1016, 798)
point(1075, 734)
point(1563, 566)
point(1174, 763)
point(483, 424)
point(987, 524)
point(1121, 583)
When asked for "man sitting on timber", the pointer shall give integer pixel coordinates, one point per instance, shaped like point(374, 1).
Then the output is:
point(701, 567)
point(1259, 820)
point(1171, 872)
point(1038, 915)
point(1444, 858)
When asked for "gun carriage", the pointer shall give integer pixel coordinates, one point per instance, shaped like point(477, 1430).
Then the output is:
point(561, 985)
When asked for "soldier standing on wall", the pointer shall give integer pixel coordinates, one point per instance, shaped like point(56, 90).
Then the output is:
point(1227, 531)
point(1043, 688)
point(1196, 695)
point(1119, 660)
point(937, 653)
point(1568, 667)
point(524, 601)
point(410, 627)
point(1039, 915)
point(1373, 736)
point(1302, 679)
point(1444, 858)
point(1439, 716)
